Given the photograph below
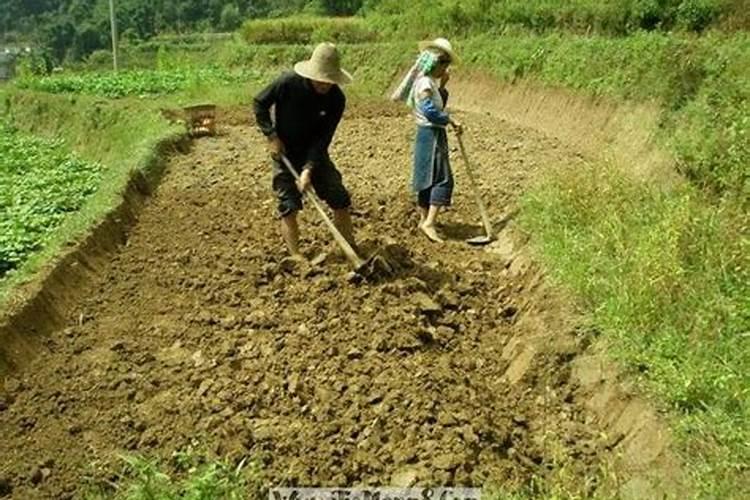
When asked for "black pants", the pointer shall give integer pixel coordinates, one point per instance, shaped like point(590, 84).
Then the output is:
point(326, 181)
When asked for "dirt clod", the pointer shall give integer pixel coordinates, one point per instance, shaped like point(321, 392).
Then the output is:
point(39, 475)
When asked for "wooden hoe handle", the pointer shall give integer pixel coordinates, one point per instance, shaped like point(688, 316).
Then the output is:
point(475, 188)
point(345, 246)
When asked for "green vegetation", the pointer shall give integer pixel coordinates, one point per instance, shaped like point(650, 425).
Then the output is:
point(70, 30)
point(712, 127)
point(136, 82)
point(126, 138)
point(43, 184)
point(700, 83)
point(308, 30)
point(195, 478)
point(667, 278)
point(608, 17)
point(665, 271)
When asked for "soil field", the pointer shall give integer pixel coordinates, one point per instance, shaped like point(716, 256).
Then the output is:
point(198, 332)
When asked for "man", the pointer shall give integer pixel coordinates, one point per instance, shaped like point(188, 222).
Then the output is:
point(308, 107)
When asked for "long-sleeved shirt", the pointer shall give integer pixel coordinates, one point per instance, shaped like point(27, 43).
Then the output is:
point(304, 120)
point(430, 111)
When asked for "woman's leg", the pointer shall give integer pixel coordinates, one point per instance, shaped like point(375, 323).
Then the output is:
point(441, 191)
point(428, 225)
point(423, 203)
point(440, 195)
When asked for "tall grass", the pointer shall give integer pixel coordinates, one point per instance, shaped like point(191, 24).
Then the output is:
point(667, 278)
point(712, 128)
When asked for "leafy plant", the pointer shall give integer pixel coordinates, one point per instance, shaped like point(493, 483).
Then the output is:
point(42, 185)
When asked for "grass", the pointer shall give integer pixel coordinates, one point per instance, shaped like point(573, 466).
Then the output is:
point(701, 84)
point(666, 277)
point(190, 476)
point(194, 475)
point(466, 18)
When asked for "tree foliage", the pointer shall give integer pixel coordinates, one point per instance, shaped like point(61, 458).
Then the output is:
point(73, 29)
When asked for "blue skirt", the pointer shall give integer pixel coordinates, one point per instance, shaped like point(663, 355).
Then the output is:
point(432, 177)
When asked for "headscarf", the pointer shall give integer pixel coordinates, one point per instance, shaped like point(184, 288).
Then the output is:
point(426, 62)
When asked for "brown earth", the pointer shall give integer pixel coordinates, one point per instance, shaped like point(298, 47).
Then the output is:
point(198, 332)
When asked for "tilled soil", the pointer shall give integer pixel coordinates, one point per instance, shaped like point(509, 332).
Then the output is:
point(199, 332)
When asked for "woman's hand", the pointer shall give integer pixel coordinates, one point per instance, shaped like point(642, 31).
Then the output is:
point(457, 127)
point(444, 78)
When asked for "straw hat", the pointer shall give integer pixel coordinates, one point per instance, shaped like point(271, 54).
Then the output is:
point(440, 44)
point(324, 66)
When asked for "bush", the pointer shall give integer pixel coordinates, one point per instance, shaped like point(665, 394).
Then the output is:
point(100, 59)
point(472, 17)
point(34, 64)
point(697, 15)
point(230, 18)
point(712, 130)
point(306, 30)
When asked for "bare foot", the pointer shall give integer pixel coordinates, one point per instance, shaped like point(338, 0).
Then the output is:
point(431, 232)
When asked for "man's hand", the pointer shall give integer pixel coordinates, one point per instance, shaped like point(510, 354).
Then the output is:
point(305, 179)
point(275, 147)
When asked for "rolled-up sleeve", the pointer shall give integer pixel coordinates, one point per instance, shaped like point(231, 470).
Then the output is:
point(262, 107)
point(432, 113)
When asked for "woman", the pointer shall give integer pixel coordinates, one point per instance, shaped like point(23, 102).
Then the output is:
point(424, 90)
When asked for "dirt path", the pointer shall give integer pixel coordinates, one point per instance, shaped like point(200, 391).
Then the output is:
point(198, 333)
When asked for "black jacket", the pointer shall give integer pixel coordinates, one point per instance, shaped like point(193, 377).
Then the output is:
point(305, 120)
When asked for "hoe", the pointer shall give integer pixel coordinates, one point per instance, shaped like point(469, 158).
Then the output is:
point(376, 266)
point(488, 236)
